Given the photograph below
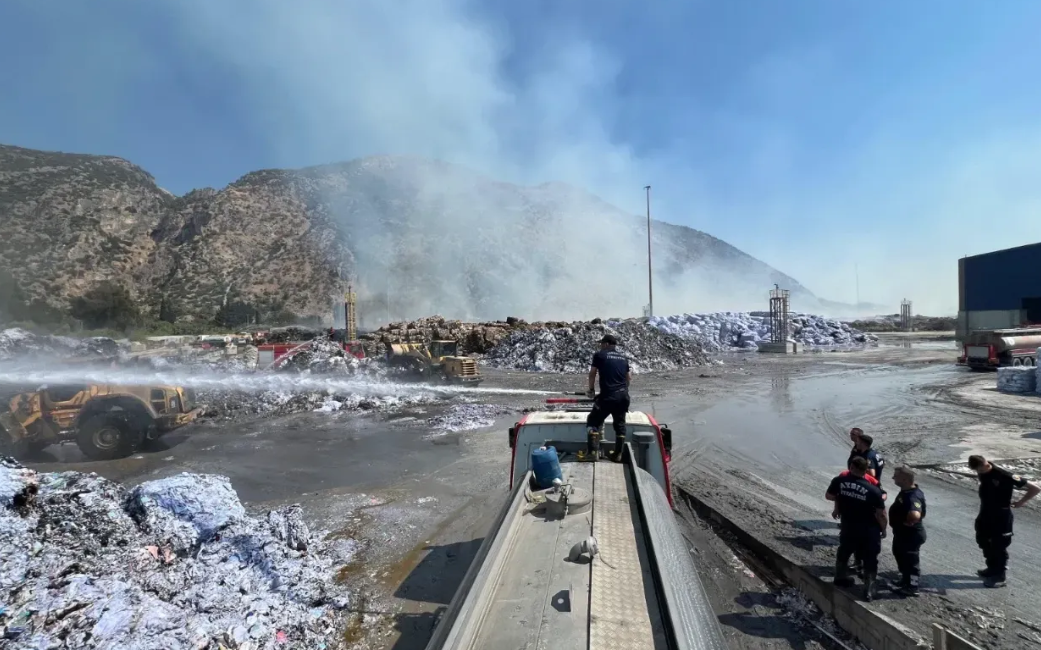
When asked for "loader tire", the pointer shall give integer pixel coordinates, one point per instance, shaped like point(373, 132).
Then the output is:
point(108, 436)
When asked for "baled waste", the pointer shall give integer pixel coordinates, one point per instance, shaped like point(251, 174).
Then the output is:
point(1017, 379)
point(172, 563)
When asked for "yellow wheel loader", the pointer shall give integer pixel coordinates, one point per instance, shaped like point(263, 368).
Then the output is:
point(105, 421)
point(436, 361)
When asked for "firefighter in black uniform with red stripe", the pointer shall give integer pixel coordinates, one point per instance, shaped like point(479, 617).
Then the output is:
point(994, 522)
point(615, 375)
point(862, 448)
point(863, 524)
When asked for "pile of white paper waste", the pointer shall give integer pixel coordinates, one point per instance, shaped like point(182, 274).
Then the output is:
point(726, 331)
point(172, 564)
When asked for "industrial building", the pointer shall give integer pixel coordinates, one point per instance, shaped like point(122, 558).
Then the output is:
point(999, 290)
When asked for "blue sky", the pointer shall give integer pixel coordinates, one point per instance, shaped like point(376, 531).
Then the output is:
point(817, 135)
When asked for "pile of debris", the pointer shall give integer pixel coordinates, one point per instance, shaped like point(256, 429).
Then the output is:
point(17, 343)
point(467, 417)
point(325, 357)
point(893, 323)
point(744, 331)
point(195, 358)
point(570, 348)
point(226, 404)
point(293, 333)
point(473, 338)
point(172, 563)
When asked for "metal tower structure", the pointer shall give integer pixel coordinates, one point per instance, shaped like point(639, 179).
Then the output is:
point(350, 301)
point(906, 320)
point(778, 315)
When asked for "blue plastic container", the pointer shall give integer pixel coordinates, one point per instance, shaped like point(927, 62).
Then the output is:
point(545, 466)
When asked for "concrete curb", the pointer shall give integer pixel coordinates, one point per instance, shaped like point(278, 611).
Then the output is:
point(875, 630)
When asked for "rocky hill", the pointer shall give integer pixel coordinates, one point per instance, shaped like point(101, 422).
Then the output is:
point(417, 237)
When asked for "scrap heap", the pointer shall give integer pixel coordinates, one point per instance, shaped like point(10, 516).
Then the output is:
point(172, 563)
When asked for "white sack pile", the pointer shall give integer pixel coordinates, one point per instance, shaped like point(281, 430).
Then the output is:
point(173, 564)
point(569, 349)
point(1017, 379)
point(725, 331)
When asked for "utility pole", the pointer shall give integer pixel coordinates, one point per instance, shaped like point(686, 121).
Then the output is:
point(856, 274)
point(650, 281)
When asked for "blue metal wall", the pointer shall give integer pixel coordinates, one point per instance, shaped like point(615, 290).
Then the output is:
point(1000, 280)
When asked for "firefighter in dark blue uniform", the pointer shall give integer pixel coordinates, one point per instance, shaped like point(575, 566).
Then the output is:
point(907, 518)
point(862, 449)
point(863, 524)
point(994, 522)
point(613, 399)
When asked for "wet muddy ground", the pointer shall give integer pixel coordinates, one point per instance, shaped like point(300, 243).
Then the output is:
point(759, 434)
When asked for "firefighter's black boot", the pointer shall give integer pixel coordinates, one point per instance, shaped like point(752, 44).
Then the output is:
point(619, 443)
point(842, 577)
point(870, 587)
point(908, 586)
point(996, 579)
point(592, 445)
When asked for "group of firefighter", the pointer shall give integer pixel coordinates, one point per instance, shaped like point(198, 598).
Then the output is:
point(860, 505)
point(858, 495)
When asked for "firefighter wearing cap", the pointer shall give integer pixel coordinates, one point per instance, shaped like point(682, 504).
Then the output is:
point(994, 522)
point(613, 399)
point(862, 448)
point(907, 519)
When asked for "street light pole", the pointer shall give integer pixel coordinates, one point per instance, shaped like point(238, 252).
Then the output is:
point(650, 282)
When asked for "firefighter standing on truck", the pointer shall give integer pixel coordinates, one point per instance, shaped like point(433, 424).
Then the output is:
point(613, 399)
point(863, 524)
point(906, 516)
point(994, 522)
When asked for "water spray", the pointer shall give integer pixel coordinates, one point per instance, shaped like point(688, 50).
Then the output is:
point(241, 382)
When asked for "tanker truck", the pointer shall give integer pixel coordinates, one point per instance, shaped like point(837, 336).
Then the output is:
point(992, 349)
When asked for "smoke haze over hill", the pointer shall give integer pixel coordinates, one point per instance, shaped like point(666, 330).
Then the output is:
point(750, 125)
